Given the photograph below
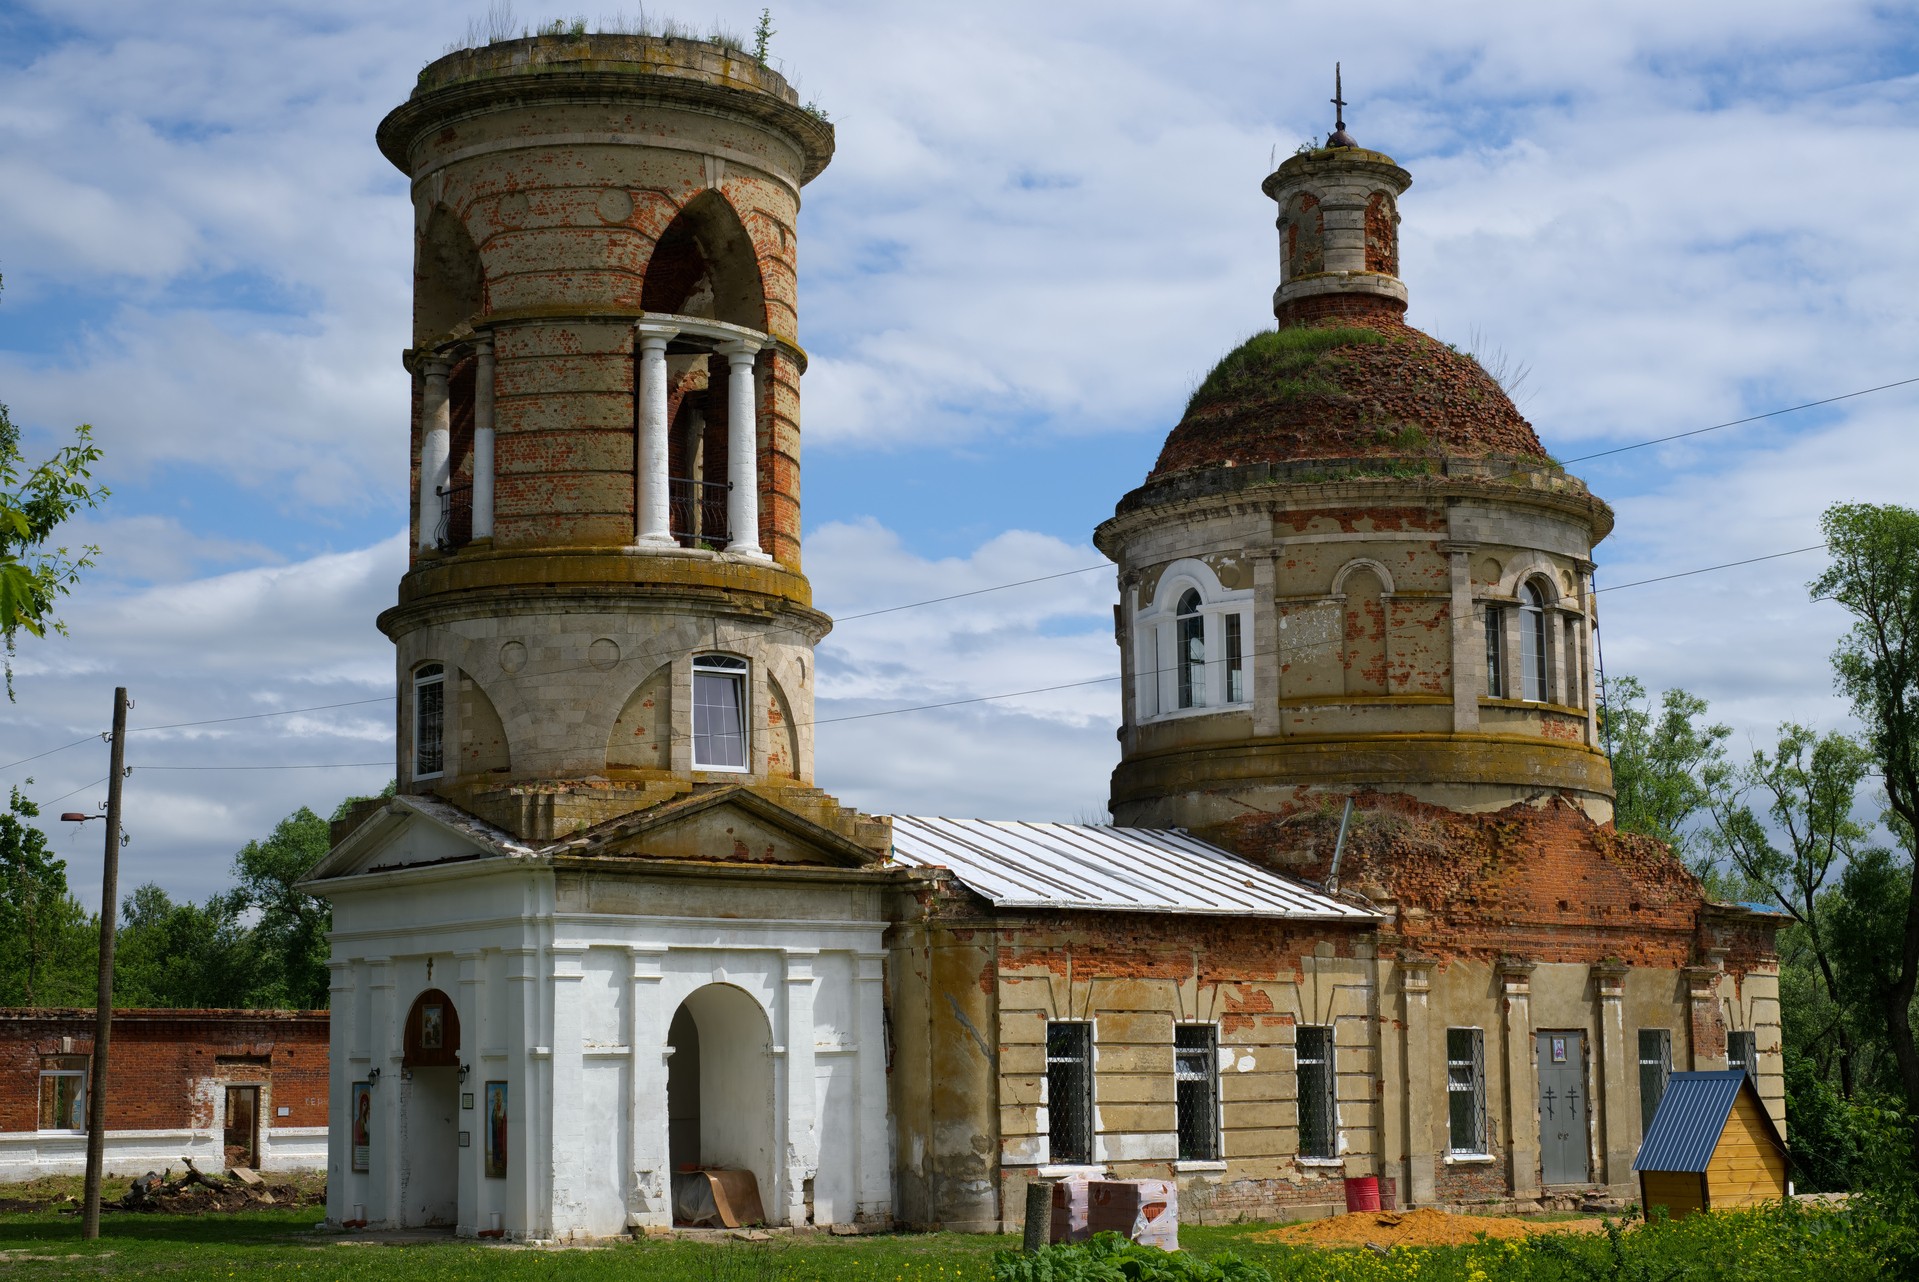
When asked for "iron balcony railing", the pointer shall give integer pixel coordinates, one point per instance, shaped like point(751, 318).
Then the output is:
point(456, 516)
point(698, 512)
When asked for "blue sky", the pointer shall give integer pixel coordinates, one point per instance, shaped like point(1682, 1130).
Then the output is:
point(1042, 225)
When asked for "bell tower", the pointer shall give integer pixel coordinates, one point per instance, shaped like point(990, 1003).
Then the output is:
point(604, 606)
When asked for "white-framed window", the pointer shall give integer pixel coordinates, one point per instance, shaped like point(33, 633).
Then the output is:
point(1495, 652)
point(1655, 1066)
point(1196, 1090)
point(1191, 651)
point(1069, 1092)
point(63, 1093)
point(1532, 643)
point(1318, 1115)
point(1742, 1051)
point(429, 721)
point(719, 712)
point(1466, 1091)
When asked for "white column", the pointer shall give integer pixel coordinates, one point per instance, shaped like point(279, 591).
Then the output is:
point(654, 518)
point(472, 1007)
point(342, 1183)
point(742, 451)
point(483, 437)
point(801, 1150)
point(435, 447)
point(384, 1055)
point(569, 1119)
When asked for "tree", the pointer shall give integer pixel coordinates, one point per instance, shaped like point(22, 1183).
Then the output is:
point(1660, 765)
point(187, 955)
point(44, 937)
point(1874, 574)
point(1807, 788)
point(34, 501)
point(293, 925)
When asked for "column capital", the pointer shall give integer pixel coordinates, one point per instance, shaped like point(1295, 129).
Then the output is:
point(653, 334)
point(739, 350)
point(435, 365)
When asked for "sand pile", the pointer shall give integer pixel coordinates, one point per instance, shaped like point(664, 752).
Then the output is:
point(1415, 1228)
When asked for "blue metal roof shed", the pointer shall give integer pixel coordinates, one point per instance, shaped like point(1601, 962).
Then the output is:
point(1711, 1144)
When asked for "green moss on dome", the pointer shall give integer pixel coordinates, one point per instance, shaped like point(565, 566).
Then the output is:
point(1278, 364)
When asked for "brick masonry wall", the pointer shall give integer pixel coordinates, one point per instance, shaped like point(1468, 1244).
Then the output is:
point(164, 1067)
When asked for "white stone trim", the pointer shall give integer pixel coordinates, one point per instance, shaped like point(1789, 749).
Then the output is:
point(1155, 635)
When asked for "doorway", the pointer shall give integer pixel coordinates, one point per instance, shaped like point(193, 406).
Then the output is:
point(241, 1140)
point(719, 1087)
point(1565, 1109)
point(430, 1138)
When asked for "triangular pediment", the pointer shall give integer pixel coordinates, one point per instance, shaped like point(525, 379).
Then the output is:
point(729, 825)
point(411, 832)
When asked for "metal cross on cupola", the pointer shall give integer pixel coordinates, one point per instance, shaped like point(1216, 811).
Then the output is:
point(1339, 137)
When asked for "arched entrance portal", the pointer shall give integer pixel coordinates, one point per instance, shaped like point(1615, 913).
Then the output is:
point(430, 1112)
point(719, 1086)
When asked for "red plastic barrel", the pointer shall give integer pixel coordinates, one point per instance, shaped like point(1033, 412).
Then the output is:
point(1362, 1193)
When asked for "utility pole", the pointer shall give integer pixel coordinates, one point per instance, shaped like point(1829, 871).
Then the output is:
point(103, 1002)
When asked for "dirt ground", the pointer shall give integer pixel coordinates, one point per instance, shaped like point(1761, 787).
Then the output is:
point(1418, 1228)
point(63, 1193)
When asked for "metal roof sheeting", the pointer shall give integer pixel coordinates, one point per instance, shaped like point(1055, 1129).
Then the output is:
point(1692, 1115)
point(1094, 866)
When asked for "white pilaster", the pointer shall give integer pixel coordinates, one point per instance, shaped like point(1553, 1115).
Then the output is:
point(435, 449)
point(654, 518)
point(483, 437)
point(522, 1213)
point(341, 1184)
point(800, 1153)
point(742, 451)
point(1522, 1077)
point(649, 1199)
point(384, 1055)
point(472, 1008)
point(875, 1149)
point(568, 1074)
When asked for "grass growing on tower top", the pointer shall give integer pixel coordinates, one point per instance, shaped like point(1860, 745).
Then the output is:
point(1278, 364)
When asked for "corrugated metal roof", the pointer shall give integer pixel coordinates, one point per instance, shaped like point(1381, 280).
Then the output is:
point(1093, 866)
point(1691, 1116)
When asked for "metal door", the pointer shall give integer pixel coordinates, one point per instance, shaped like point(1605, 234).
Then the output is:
point(1565, 1112)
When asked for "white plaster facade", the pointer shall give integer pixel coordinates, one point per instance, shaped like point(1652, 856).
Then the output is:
point(566, 971)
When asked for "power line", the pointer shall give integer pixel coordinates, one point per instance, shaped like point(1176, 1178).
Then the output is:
point(316, 765)
point(998, 587)
point(49, 752)
point(255, 716)
point(82, 788)
point(1700, 431)
point(1686, 574)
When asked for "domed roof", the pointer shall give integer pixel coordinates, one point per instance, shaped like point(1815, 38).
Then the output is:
point(1360, 385)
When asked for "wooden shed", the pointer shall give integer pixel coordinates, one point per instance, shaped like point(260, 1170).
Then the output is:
point(1711, 1145)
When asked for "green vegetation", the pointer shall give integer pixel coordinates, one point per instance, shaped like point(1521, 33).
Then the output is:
point(1868, 1240)
point(1279, 364)
point(260, 944)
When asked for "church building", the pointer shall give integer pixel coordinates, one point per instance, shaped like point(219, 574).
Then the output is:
point(1361, 912)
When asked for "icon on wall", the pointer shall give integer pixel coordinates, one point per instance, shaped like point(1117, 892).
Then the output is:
point(362, 1123)
point(496, 1118)
point(432, 1027)
point(1558, 1045)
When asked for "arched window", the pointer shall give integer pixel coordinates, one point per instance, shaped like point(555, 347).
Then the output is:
point(429, 721)
point(1532, 643)
point(719, 712)
point(1495, 652)
point(1190, 632)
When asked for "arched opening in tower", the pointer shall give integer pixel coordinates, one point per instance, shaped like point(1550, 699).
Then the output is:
point(703, 266)
point(449, 291)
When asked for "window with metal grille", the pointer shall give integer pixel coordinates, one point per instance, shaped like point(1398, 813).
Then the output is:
point(1495, 653)
point(429, 721)
point(1196, 1090)
point(1741, 1052)
point(719, 712)
point(1190, 629)
point(1532, 643)
point(1235, 661)
point(1313, 1059)
point(1655, 1066)
point(1069, 1093)
point(63, 1093)
point(1466, 1090)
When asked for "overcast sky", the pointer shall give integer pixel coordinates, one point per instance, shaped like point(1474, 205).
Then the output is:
point(1042, 225)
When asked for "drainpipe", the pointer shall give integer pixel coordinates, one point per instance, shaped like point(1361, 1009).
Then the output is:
point(1339, 848)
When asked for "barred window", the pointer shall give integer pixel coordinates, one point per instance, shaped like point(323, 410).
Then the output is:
point(63, 1093)
point(1196, 1090)
point(1655, 1066)
point(1466, 1090)
point(1495, 653)
point(1235, 661)
point(1313, 1058)
point(1741, 1052)
point(1069, 1092)
point(719, 712)
point(429, 721)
